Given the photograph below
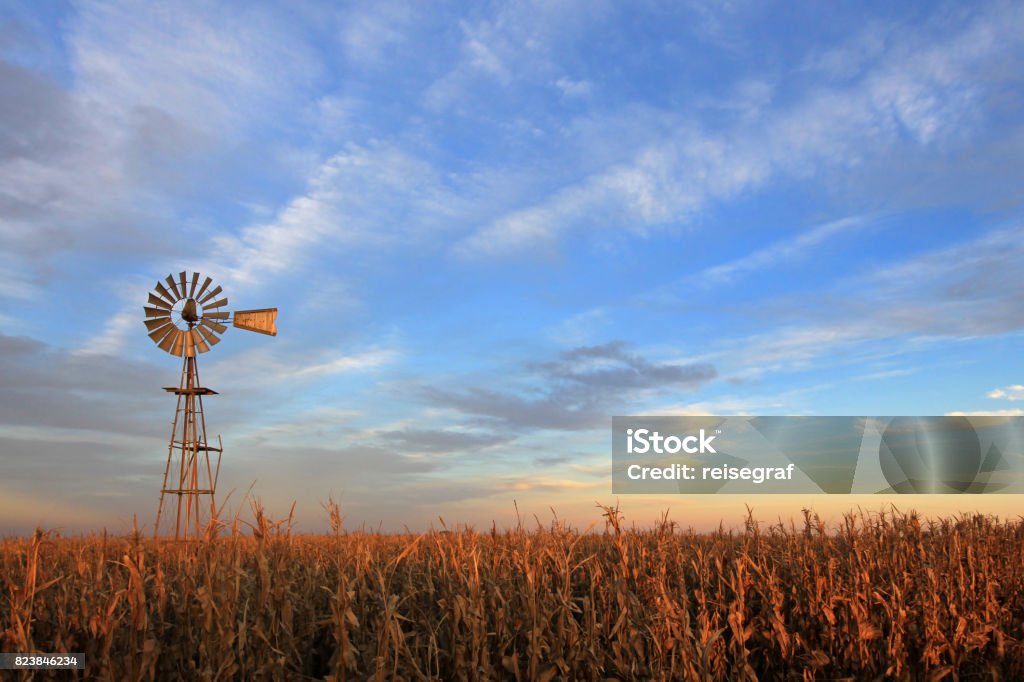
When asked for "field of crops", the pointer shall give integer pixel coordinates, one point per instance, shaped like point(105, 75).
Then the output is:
point(885, 595)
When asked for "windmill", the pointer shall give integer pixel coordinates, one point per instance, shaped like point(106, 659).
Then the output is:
point(185, 319)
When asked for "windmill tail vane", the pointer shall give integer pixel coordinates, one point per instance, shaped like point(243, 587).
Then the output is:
point(185, 318)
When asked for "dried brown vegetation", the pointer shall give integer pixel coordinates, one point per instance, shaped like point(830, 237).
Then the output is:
point(884, 596)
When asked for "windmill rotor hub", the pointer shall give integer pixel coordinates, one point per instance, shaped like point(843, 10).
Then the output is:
point(191, 312)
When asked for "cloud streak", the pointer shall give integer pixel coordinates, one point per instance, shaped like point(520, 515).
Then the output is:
point(576, 391)
point(968, 290)
point(782, 252)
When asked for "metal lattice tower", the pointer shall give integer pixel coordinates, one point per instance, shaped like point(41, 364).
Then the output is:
point(186, 319)
point(189, 474)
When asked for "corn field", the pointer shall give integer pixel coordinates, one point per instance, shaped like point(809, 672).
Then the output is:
point(883, 596)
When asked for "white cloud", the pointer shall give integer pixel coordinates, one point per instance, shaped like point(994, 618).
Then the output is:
point(1015, 392)
point(1017, 412)
point(574, 88)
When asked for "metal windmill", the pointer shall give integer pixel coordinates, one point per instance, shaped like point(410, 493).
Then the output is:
point(185, 319)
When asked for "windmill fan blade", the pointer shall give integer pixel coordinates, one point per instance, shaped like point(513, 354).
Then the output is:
point(216, 315)
point(168, 341)
point(190, 344)
point(213, 292)
point(162, 332)
point(210, 324)
point(206, 283)
point(156, 312)
point(210, 337)
point(198, 343)
point(174, 287)
point(159, 302)
point(179, 343)
point(183, 286)
point(195, 281)
point(162, 290)
point(263, 320)
point(158, 322)
point(216, 304)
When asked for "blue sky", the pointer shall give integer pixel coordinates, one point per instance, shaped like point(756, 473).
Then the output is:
point(489, 227)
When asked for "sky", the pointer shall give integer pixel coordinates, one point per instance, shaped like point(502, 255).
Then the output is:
point(489, 227)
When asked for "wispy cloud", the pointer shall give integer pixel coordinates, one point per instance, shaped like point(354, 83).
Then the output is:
point(517, 42)
point(370, 33)
point(344, 363)
point(147, 106)
point(798, 348)
point(574, 88)
point(111, 340)
point(782, 252)
point(580, 329)
point(576, 391)
point(929, 93)
point(441, 440)
point(883, 375)
point(967, 290)
point(645, 192)
point(351, 197)
point(127, 56)
point(266, 367)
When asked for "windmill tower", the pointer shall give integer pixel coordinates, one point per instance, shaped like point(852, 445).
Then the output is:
point(185, 319)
